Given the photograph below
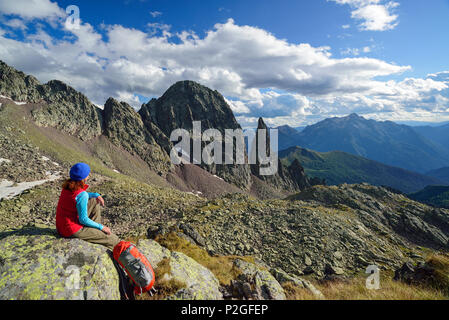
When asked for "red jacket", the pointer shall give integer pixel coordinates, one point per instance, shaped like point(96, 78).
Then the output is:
point(67, 222)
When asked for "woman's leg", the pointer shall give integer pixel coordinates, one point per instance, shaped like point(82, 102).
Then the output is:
point(93, 235)
point(94, 210)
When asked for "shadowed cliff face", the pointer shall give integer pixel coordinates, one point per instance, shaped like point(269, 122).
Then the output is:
point(186, 102)
point(124, 127)
point(17, 85)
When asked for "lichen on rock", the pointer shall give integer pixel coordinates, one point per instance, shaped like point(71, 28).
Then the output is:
point(36, 264)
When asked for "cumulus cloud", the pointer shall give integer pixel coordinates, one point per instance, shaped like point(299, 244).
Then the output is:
point(376, 15)
point(31, 9)
point(258, 73)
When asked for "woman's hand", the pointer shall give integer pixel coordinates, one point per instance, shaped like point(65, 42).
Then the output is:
point(106, 230)
point(100, 200)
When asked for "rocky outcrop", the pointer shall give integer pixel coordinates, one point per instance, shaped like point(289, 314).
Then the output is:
point(18, 86)
point(298, 175)
point(284, 277)
point(256, 282)
point(378, 207)
point(68, 110)
point(186, 102)
point(60, 106)
point(124, 127)
point(433, 273)
point(292, 178)
point(36, 264)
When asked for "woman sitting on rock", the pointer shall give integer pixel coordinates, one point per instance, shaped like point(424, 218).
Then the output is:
point(78, 214)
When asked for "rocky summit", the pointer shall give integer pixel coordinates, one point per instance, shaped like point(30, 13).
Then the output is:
point(210, 232)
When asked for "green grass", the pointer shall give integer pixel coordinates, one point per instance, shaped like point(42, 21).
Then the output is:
point(355, 289)
point(221, 266)
point(165, 286)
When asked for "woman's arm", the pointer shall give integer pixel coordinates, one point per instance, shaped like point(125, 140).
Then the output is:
point(97, 196)
point(93, 195)
point(81, 205)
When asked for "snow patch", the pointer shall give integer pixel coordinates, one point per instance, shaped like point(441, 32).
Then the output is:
point(5, 160)
point(194, 194)
point(9, 189)
point(45, 158)
point(116, 171)
point(218, 177)
point(16, 102)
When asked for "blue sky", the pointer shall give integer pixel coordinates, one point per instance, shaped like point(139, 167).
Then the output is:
point(292, 62)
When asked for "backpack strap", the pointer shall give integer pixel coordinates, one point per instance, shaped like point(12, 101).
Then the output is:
point(126, 286)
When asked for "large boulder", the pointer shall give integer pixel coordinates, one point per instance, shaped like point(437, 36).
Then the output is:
point(256, 283)
point(284, 277)
point(36, 264)
point(200, 282)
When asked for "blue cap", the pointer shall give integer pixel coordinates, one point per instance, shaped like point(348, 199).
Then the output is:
point(79, 171)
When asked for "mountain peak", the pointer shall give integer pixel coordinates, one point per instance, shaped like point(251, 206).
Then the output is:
point(261, 124)
point(188, 101)
point(188, 86)
point(354, 116)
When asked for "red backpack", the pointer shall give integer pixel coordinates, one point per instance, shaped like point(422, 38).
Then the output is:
point(136, 266)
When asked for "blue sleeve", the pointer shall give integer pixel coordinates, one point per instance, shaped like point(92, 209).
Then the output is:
point(93, 195)
point(81, 205)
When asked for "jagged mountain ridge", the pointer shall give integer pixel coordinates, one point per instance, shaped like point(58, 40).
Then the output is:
point(144, 133)
point(386, 142)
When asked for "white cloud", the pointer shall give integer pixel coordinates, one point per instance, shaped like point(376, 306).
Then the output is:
point(155, 14)
point(376, 15)
point(30, 9)
point(304, 83)
point(127, 97)
point(238, 106)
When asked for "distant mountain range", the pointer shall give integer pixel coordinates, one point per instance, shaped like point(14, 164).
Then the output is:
point(419, 149)
point(437, 134)
point(338, 167)
point(440, 174)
